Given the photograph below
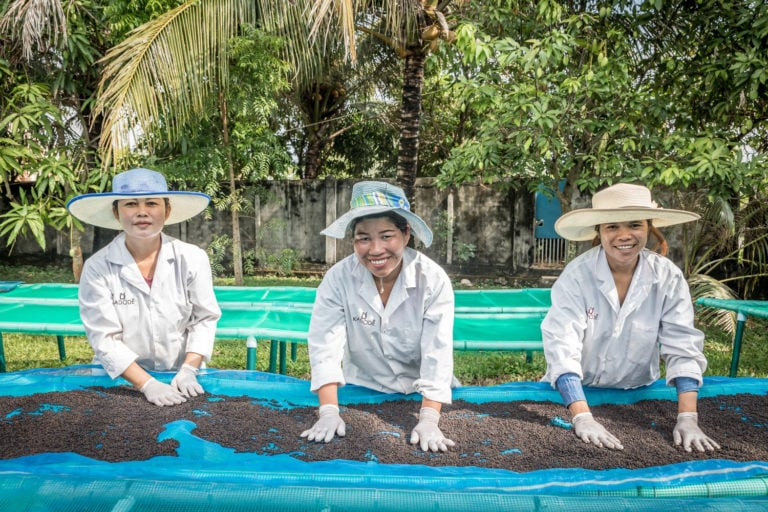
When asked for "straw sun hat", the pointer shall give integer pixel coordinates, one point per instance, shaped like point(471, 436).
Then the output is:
point(96, 209)
point(370, 197)
point(619, 203)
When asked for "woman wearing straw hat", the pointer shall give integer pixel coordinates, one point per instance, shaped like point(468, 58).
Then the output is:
point(146, 299)
point(618, 308)
point(383, 316)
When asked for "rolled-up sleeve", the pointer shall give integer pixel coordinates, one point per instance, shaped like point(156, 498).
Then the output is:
point(201, 330)
point(681, 344)
point(436, 371)
point(327, 336)
point(102, 323)
point(563, 330)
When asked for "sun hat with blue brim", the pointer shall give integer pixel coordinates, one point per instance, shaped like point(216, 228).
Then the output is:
point(372, 197)
point(96, 209)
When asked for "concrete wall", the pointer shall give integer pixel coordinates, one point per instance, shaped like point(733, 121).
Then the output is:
point(291, 214)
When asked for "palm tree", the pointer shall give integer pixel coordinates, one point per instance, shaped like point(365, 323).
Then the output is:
point(180, 52)
point(726, 254)
point(410, 28)
point(165, 71)
point(327, 89)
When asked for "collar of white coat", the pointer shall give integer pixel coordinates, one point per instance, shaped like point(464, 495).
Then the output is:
point(118, 254)
point(407, 272)
point(636, 292)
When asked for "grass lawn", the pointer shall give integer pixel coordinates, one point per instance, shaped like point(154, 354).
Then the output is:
point(471, 368)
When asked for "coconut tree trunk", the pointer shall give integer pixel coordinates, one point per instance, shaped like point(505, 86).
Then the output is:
point(313, 159)
point(410, 119)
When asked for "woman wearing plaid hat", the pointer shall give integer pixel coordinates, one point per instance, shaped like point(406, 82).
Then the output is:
point(383, 316)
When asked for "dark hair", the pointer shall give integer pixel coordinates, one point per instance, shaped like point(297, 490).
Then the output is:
point(398, 220)
point(661, 246)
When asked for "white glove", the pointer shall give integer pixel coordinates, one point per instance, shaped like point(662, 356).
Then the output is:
point(160, 393)
point(427, 434)
point(185, 381)
point(590, 431)
point(329, 424)
point(688, 433)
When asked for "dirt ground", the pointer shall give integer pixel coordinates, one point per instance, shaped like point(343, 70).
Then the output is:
point(118, 424)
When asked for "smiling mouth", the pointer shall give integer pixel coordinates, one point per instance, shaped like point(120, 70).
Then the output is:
point(624, 247)
point(378, 262)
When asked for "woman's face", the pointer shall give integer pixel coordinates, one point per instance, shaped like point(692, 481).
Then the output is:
point(379, 245)
point(142, 217)
point(623, 241)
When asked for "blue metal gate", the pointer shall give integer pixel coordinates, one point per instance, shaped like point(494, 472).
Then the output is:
point(550, 248)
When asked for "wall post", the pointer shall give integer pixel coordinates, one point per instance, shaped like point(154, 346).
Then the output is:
point(330, 215)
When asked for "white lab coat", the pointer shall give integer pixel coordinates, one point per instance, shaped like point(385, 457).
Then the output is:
point(127, 321)
point(404, 347)
point(586, 332)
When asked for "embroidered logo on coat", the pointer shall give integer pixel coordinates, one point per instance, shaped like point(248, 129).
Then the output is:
point(363, 319)
point(591, 313)
point(122, 300)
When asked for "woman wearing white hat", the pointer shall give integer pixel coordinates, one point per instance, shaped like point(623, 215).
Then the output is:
point(383, 316)
point(617, 309)
point(146, 299)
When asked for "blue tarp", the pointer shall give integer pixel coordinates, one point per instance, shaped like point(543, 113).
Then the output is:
point(217, 475)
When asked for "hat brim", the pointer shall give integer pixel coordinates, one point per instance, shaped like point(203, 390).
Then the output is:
point(96, 209)
point(579, 225)
point(338, 228)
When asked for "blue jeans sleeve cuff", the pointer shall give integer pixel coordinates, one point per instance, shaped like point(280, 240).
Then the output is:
point(570, 388)
point(686, 384)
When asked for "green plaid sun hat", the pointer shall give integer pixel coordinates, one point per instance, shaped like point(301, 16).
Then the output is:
point(371, 197)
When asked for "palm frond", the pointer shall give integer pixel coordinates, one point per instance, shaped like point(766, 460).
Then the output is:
point(37, 23)
point(319, 60)
point(164, 72)
point(310, 57)
point(344, 11)
point(395, 19)
point(702, 285)
point(731, 243)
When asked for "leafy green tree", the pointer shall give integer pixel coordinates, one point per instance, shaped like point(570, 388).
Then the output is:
point(48, 78)
point(329, 95)
point(579, 92)
point(368, 147)
point(235, 144)
point(621, 91)
point(230, 143)
point(712, 55)
point(556, 101)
